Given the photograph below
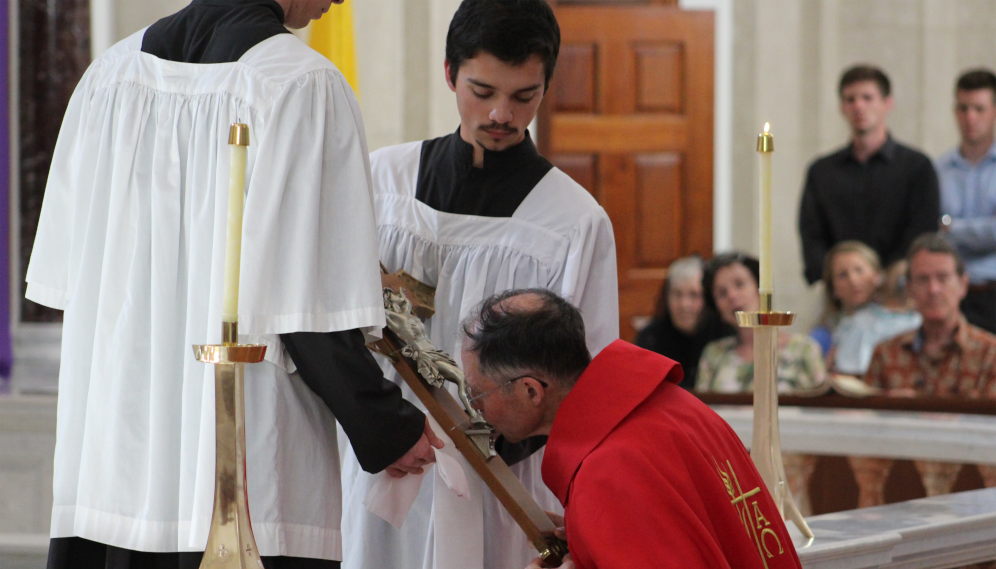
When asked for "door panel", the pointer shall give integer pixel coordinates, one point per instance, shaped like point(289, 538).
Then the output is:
point(629, 116)
point(577, 132)
point(658, 209)
point(576, 75)
point(659, 77)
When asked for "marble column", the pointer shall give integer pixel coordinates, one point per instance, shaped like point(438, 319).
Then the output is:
point(799, 470)
point(382, 29)
point(53, 53)
point(988, 473)
point(443, 115)
point(871, 474)
point(938, 477)
point(6, 352)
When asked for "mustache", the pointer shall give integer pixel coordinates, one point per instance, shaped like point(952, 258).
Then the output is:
point(498, 127)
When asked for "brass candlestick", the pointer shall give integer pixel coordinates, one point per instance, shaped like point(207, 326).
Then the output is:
point(230, 542)
point(766, 448)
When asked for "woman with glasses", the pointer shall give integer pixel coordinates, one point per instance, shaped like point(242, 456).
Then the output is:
point(683, 324)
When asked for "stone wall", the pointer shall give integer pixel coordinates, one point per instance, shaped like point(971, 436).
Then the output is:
point(52, 54)
point(785, 58)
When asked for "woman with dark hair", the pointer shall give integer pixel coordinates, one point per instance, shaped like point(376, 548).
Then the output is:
point(683, 324)
point(727, 365)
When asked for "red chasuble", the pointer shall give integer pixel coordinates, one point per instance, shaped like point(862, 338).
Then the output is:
point(651, 477)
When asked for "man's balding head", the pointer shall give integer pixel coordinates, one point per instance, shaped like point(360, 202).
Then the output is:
point(528, 301)
point(528, 331)
point(523, 350)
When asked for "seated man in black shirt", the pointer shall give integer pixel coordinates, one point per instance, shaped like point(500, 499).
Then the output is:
point(873, 190)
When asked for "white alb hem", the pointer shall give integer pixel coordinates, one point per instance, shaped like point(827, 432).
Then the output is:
point(295, 540)
point(272, 539)
point(46, 296)
point(372, 317)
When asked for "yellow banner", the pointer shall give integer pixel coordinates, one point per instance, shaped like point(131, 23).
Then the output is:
point(332, 36)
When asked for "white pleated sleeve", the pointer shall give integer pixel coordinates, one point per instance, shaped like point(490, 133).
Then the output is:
point(54, 266)
point(309, 260)
point(589, 279)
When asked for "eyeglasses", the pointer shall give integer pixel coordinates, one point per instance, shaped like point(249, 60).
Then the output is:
point(471, 397)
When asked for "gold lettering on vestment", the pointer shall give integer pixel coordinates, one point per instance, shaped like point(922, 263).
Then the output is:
point(771, 532)
point(749, 512)
point(759, 517)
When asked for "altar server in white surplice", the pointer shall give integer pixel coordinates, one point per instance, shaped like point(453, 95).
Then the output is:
point(472, 214)
point(131, 244)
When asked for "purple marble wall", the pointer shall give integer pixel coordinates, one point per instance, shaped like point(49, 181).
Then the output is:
point(6, 351)
point(53, 53)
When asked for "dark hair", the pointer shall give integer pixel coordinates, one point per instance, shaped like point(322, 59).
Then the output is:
point(865, 73)
point(933, 243)
point(725, 260)
point(511, 30)
point(976, 79)
point(548, 338)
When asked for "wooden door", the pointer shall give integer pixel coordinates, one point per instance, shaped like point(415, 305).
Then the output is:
point(629, 117)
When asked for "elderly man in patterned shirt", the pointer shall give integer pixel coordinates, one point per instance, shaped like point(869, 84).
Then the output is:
point(947, 356)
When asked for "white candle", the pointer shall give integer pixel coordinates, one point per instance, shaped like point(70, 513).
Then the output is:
point(238, 141)
point(765, 146)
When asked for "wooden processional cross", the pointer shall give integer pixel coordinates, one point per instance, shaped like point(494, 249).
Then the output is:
point(426, 370)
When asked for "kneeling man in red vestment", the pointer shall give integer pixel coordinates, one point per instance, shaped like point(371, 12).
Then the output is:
point(649, 476)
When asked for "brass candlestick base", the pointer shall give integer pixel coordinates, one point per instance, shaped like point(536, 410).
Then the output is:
point(230, 542)
point(766, 447)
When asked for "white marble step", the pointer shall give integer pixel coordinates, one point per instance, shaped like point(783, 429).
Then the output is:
point(36, 358)
point(936, 533)
point(23, 550)
point(27, 446)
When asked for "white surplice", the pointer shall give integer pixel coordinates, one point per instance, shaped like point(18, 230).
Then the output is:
point(131, 244)
point(560, 239)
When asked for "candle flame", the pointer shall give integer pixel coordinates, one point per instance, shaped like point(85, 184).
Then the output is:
point(766, 127)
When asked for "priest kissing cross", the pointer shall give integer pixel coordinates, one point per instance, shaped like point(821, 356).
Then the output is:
point(471, 214)
point(131, 245)
point(648, 474)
